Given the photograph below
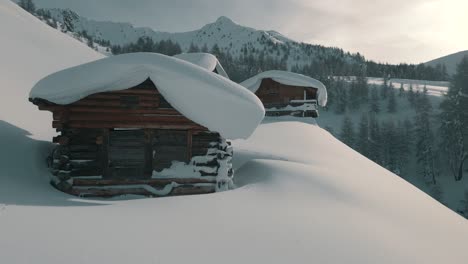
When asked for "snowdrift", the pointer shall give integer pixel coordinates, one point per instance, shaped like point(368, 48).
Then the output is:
point(30, 50)
point(204, 97)
point(293, 205)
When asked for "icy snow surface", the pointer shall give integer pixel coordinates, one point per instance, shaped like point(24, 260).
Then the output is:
point(204, 60)
point(204, 97)
point(288, 78)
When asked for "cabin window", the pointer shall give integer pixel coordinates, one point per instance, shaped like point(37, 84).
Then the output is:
point(129, 101)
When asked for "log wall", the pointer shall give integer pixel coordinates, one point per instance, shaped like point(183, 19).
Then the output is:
point(111, 143)
point(271, 92)
point(275, 96)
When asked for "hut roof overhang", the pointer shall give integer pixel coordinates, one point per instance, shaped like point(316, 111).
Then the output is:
point(288, 78)
point(204, 97)
point(204, 60)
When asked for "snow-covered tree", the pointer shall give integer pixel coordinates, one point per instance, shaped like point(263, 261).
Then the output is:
point(392, 103)
point(401, 91)
point(375, 144)
point(374, 103)
point(27, 5)
point(362, 140)
point(425, 152)
point(347, 134)
point(454, 125)
point(193, 48)
point(389, 146)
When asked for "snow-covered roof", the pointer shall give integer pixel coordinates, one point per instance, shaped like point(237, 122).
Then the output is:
point(287, 78)
point(204, 97)
point(204, 60)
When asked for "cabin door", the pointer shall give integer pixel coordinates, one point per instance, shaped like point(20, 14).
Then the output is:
point(128, 158)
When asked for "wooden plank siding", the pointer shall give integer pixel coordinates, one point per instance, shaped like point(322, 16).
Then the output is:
point(272, 92)
point(138, 107)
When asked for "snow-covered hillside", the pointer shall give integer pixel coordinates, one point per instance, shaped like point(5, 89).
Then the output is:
point(294, 204)
point(30, 50)
point(450, 61)
point(306, 198)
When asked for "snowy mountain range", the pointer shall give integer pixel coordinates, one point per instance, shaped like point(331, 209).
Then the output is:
point(227, 34)
point(450, 61)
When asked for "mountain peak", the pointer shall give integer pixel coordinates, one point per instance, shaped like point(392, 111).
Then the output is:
point(224, 20)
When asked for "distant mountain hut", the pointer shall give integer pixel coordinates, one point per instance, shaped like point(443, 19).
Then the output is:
point(205, 60)
point(144, 124)
point(286, 93)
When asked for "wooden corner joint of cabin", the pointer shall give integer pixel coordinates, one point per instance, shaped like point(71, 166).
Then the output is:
point(143, 146)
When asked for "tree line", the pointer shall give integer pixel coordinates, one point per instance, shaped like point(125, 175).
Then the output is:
point(436, 140)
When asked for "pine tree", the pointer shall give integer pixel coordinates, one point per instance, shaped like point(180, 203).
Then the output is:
point(401, 91)
point(355, 96)
point(28, 5)
point(411, 94)
point(193, 48)
point(454, 119)
point(341, 94)
point(347, 134)
point(362, 140)
point(374, 139)
point(425, 152)
point(384, 89)
point(389, 150)
point(402, 146)
point(392, 104)
point(374, 101)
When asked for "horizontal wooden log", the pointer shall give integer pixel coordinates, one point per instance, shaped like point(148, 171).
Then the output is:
point(152, 182)
point(97, 124)
point(79, 164)
point(109, 192)
point(88, 171)
point(83, 148)
point(118, 96)
point(113, 103)
point(135, 91)
point(83, 155)
point(100, 109)
point(121, 117)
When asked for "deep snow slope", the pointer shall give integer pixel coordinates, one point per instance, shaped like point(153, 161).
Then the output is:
point(306, 198)
point(30, 50)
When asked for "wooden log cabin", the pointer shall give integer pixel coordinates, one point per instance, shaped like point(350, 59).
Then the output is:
point(130, 139)
point(288, 94)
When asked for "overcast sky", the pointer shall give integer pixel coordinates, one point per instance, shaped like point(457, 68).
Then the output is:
point(384, 30)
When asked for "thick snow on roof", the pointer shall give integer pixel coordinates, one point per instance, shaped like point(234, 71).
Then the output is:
point(204, 97)
point(204, 60)
point(288, 78)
